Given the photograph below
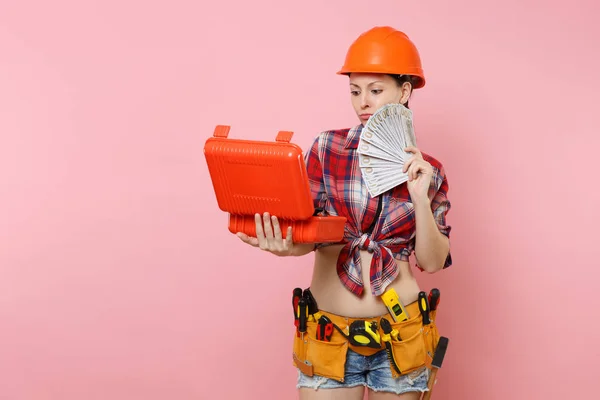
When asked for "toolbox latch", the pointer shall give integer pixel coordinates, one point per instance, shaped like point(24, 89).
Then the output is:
point(221, 131)
point(284, 136)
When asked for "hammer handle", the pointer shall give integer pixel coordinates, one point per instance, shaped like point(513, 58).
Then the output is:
point(430, 383)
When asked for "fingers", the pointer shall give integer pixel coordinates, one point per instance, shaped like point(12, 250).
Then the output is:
point(416, 155)
point(276, 229)
point(260, 234)
point(416, 164)
point(269, 236)
point(413, 150)
point(407, 164)
point(288, 239)
point(247, 239)
point(413, 171)
point(268, 228)
point(417, 167)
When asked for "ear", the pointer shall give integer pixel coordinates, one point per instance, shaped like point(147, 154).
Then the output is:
point(405, 91)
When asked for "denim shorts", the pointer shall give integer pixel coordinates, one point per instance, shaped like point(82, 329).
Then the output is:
point(372, 372)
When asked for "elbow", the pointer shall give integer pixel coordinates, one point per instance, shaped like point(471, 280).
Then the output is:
point(433, 258)
point(431, 268)
point(433, 264)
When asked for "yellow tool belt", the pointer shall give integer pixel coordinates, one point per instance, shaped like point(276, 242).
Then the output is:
point(412, 347)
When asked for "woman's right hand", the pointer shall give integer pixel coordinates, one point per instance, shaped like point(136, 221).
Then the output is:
point(269, 237)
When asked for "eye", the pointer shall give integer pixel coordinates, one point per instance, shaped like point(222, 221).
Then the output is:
point(354, 92)
point(376, 91)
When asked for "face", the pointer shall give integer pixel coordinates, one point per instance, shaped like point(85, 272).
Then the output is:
point(369, 92)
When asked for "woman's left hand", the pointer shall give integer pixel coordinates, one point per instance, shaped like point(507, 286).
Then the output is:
point(420, 173)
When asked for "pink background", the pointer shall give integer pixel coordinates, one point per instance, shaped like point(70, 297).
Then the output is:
point(118, 277)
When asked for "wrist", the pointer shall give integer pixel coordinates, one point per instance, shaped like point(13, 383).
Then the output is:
point(421, 201)
point(301, 249)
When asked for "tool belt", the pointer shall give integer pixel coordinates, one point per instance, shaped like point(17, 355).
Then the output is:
point(322, 339)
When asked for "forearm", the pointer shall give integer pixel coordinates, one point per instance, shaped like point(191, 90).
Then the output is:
point(431, 246)
point(301, 249)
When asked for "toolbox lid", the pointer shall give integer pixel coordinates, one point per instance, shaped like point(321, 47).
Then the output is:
point(251, 176)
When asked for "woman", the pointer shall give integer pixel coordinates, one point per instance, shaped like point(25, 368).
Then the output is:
point(350, 277)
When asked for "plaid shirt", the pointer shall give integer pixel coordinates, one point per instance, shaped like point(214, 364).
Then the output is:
point(338, 189)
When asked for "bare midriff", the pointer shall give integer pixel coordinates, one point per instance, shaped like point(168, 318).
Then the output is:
point(332, 296)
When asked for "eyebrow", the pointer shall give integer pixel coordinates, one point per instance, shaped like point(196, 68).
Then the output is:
point(372, 83)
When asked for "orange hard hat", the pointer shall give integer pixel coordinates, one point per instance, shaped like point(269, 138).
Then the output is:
point(383, 49)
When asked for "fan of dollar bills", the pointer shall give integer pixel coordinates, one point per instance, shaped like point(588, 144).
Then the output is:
point(381, 148)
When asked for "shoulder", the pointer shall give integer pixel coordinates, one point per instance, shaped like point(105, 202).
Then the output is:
point(432, 160)
point(437, 165)
point(333, 134)
point(440, 180)
point(331, 139)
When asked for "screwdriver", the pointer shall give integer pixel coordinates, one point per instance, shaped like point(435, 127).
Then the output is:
point(434, 299)
point(311, 304)
point(303, 316)
point(295, 299)
point(424, 307)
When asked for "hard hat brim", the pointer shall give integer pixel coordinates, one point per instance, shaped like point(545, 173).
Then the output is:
point(416, 73)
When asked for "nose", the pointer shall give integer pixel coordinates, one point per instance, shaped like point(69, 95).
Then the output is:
point(364, 102)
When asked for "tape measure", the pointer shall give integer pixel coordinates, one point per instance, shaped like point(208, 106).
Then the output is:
point(364, 333)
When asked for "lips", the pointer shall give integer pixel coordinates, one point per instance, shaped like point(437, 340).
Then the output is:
point(365, 116)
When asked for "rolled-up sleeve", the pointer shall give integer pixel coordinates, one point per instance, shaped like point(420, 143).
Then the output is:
point(315, 175)
point(440, 205)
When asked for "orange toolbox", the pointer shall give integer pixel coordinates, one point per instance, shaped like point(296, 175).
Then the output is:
point(251, 176)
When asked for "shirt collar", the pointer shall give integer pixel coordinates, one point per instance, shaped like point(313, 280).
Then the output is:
point(353, 137)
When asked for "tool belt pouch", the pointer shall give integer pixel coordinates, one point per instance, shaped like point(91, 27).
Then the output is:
point(416, 347)
point(316, 357)
point(432, 337)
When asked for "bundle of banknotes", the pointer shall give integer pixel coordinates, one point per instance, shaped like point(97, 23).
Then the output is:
point(381, 148)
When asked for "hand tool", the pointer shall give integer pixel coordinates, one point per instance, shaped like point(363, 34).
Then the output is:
point(434, 299)
point(324, 329)
point(424, 307)
point(393, 332)
point(364, 333)
point(436, 364)
point(302, 316)
point(297, 295)
point(386, 338)
point(394, 305)
point(311, 303)
point(341, 331)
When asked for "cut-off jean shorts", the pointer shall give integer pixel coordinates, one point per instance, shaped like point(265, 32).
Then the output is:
point(372, 372)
